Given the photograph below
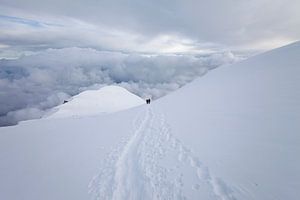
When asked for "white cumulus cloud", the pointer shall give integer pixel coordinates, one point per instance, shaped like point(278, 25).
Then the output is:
point(32, 84)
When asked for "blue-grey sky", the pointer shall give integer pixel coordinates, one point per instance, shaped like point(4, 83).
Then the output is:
point(159, 26)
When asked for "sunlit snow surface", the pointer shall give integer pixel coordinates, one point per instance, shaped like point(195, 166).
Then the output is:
point(92, 102)
point(232, 134)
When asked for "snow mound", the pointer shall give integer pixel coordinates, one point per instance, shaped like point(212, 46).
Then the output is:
point(94, 102)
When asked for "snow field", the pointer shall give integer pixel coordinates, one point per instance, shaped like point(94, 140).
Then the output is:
point(142, 166)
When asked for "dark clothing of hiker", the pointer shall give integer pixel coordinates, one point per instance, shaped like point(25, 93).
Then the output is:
point(148, 101)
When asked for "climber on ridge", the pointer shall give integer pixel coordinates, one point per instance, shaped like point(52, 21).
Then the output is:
point(148, 101)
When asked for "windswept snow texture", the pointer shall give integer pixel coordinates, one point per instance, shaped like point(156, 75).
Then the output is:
point(94, 102)
point(233, 134)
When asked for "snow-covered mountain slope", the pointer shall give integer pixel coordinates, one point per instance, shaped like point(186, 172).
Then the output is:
point(232, 134)
point(94, 102)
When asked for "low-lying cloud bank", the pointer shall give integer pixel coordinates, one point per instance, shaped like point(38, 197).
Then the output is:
point(32, 84)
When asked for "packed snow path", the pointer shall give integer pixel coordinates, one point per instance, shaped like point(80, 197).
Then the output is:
point(149, 164)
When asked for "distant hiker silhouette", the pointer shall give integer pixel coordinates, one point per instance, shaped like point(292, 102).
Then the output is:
point(148, 101)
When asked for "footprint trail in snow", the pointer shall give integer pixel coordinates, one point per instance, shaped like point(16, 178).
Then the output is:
point(149, 165)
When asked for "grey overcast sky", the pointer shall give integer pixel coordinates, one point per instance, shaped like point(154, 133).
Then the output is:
point(152, 26)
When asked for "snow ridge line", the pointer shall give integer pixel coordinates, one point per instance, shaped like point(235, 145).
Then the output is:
point(102, 186)
point(128, 175)
point(154, 147)
point(134, 170)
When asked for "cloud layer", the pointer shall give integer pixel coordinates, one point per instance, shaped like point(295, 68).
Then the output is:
point(32, 84)
point(62, 47)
